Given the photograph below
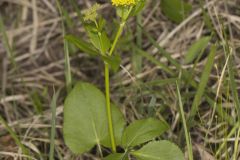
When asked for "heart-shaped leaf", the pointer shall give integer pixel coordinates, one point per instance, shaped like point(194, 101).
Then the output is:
point(118, 123)
point(159, 150)
point(85, 119)
point(116, 156)
point(142, 131)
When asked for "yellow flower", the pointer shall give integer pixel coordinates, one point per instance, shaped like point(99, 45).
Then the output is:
point(123, 2)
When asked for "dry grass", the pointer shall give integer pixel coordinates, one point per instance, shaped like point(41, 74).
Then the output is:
point(34, 32)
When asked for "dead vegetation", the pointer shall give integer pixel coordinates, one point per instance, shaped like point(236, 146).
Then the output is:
point(33, 66)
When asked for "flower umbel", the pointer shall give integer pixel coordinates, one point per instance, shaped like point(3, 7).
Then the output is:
point(91, 13)
point(123, 2)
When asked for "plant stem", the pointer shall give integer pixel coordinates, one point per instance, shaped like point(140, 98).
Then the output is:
point(108, 105)
point(107, 86)
point(119, 32)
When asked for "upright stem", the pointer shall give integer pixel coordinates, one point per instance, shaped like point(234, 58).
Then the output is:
point(107, 86)
point(119, 32)
point(108, 105)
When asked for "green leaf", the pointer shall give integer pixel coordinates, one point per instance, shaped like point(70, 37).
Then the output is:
point(37, 102)
point(175, 10)
point(85, 119)
point(101, 23)
point(94, 38)
point(154, 60)
point(98, 35)
point(105, 42)
point(161, 150)
point(196, 48)
point(116, 156)
point(118, 123)
point(82, 45)
point(142, 131)
point(53, 124)
point(114, 61)
point(67, 18)
point(100, 40)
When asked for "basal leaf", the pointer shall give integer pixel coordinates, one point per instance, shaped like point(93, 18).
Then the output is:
point(85, 119)
point(159, 150)
point(116, 156)
point(119, 124)
point(175, 10)
point(142, 131)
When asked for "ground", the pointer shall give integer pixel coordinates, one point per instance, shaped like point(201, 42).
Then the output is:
point(155, 58)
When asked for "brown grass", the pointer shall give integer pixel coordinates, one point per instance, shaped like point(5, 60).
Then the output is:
point(35, 34)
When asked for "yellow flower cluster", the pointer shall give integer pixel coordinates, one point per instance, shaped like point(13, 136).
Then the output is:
point(123, 2)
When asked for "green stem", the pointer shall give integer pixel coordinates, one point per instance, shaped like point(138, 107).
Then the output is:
point(119, 32)
point(107, 90)
point(108, 105)
point(107, 86)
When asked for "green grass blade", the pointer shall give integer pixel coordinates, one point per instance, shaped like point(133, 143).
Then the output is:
point(6, 44)
point(53, 125)
point(203, 82)
point(231, 133)
point(68, 21)
point(233, 84)
point(14, 136)
point(236, 143)
point(223, 114)
point(186, 75)
point(160, 82)
point(187, 134)
point(76, 8)
point(162, 51)
point(10, 54)
point(154, 61)
point(68, 75)
point(137, 58)
point(196, 49)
